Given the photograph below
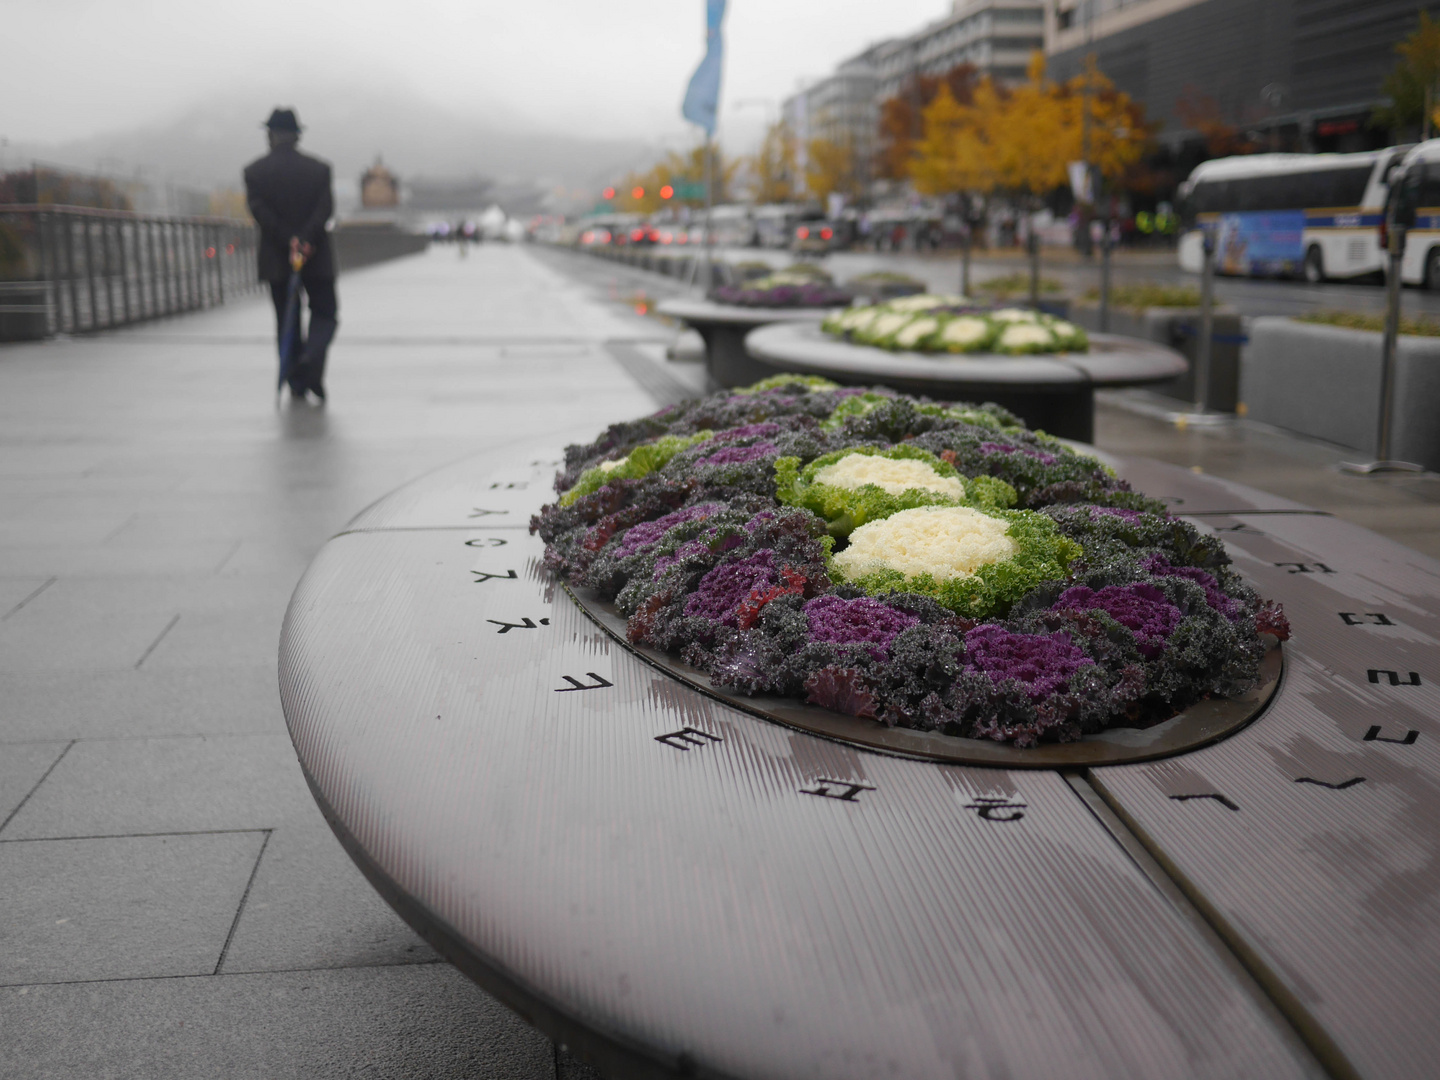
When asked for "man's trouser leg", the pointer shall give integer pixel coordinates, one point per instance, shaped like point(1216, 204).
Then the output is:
point(323, 322)
point(280, 294)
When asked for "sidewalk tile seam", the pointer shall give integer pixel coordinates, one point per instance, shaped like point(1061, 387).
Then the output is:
point(439, 960)
point(113, 533)
point(21, 804)
point(240, 908)
point(156, 643)
point(234, 550)
point(139, 835)
point(48, 582)
point(201, 735)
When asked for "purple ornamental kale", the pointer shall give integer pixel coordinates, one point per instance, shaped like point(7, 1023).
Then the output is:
point(647, 532)
point(842, 690)
point(811, 294)
point(1004, 448)
point(1160, 566)
point(766, 430)
point(738, 455)
point(722, 590)
point(862, 621)
point(1117, 511)
point(1042, 663)
point(699, 546)
point(1140, 608)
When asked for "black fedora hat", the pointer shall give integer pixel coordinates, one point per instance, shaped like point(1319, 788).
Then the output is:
point(283, 120)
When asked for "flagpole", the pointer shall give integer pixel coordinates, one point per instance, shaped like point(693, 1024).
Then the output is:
point(709, 203)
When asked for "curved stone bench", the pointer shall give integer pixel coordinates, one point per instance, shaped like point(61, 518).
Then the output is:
point(1054, 392)
point(723, 328)
point(673, 886)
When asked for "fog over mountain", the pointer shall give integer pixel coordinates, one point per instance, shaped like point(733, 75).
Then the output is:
point(207, 145)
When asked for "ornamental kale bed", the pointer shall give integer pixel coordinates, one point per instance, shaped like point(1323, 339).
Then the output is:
point(913, 563)
point(784, 290)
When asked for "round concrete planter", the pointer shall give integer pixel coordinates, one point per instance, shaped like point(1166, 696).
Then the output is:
point(1051, 392)
point(724, 326)
point(673, 885)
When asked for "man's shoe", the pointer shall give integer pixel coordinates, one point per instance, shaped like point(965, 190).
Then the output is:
point(318, 390)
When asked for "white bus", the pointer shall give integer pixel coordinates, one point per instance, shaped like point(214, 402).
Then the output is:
point(1418, 173)
point(1281, 215)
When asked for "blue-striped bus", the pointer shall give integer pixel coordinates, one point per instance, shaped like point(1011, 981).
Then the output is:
point(1289, 215)
point(1417, 178)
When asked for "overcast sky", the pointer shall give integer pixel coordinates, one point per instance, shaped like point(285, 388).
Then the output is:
point(605, 68)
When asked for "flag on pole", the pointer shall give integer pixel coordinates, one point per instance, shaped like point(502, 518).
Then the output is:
point(702, 97)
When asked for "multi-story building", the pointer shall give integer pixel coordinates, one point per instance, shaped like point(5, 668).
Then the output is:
point(841, 107)
point(994, 36)
point(997, 37)
point(1296, 74)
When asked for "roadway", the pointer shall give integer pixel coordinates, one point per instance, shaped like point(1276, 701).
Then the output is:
point(1249, 296)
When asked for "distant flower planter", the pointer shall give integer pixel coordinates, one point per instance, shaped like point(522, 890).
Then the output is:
point(783, 290)
point(1053, 392)
point(946, 325)
point(723, 328)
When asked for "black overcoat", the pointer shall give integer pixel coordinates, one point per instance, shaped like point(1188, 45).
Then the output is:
point(289, 195)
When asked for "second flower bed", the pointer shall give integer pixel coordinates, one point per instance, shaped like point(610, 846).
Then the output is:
point(950, 324)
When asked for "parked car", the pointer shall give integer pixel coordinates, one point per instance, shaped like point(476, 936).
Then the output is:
point(816, 237)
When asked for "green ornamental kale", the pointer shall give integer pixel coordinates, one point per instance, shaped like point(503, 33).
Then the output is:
point(640, 462)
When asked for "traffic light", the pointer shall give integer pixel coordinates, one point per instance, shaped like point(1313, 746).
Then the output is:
point(637, 193)
point(608, 193)
point(666, 191)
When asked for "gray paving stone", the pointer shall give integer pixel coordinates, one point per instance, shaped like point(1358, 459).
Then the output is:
point(108, 787)
point(208, 638)
point(173, 485)
point(422, 1022)
point(309, 907)
point(120, 907)
point(238, 700)
point(52, 520)
point(1403, 506)
point(114, 639)
point(100, 560)
point(22, 765)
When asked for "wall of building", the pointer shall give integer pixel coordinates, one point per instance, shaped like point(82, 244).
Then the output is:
point(1312, 68)
point(996, 36)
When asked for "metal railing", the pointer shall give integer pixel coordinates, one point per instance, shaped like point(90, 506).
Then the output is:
point(98, 269)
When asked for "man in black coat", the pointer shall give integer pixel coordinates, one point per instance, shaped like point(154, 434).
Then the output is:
point(289, 196)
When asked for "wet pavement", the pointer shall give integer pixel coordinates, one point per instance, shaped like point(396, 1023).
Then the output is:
point(171, 902)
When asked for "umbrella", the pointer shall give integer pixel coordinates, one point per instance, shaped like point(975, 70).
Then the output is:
point(290, 326)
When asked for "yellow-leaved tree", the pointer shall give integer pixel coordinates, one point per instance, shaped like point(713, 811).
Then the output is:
point(831, 168)
point(1019, 141)
point(951, 155)
point(1118, 129)
point(772, 167)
